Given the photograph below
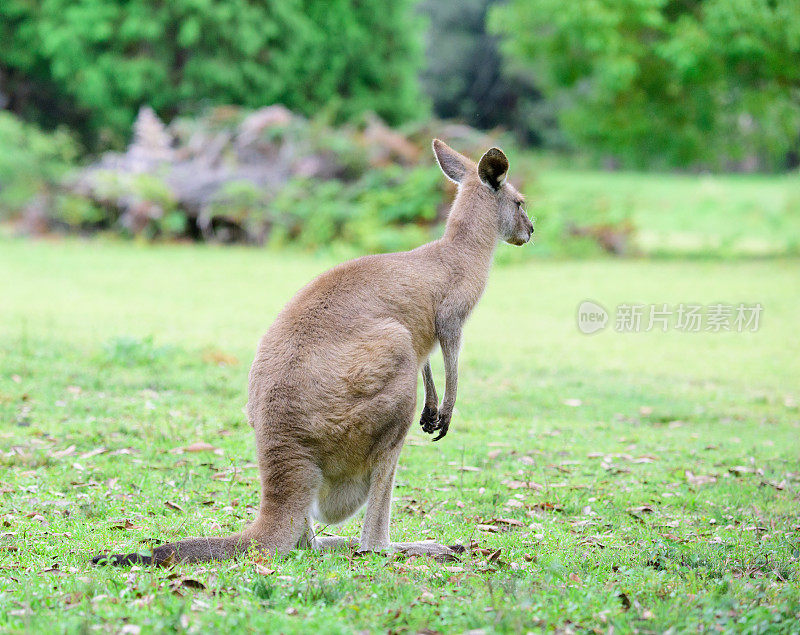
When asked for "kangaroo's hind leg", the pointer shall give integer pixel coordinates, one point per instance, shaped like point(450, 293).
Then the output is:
point(400, 413)
point(290, 481)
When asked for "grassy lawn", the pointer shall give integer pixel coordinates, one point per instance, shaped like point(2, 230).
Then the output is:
point(670, 214)
point(638, 481)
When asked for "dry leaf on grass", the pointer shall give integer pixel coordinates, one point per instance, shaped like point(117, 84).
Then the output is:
point(512, 484)
point(428, 598)
point(507, 521)
point(91, 453)
point(492, 529)
point(740, 470)
point(219, 358)
point(699, 479)
point(178, 584)
point(124, 524)
point(60, 454)
point(199, 446)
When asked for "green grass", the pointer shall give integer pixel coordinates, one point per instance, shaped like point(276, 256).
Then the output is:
point(114, 355)
point(672, 215)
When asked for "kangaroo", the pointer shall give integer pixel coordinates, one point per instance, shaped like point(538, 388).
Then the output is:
point(332, 389)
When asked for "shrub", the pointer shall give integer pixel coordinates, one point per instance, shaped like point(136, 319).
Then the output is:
point(31, 162)
point(92, 63)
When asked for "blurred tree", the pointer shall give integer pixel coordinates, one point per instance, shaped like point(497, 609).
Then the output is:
point(714, 83)
point(464, 75)
point(92, 63)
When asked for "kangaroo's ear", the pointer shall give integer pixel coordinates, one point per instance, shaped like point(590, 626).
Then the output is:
point(493, 168)
point(453, 164)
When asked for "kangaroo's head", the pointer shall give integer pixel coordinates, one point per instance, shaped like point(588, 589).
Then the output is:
point(495, 196)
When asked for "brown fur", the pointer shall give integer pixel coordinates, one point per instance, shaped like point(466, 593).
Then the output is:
point(333, 386)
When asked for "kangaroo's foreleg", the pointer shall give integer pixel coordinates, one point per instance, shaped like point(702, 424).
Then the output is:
point(430, 412)
point(450, 342)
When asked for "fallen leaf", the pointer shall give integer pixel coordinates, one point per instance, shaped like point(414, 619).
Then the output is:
point(62, 453)
point(188, 583)
point(428, 598)
point(523, 485)
point(91, 453)
point(699, 479)
point(174, 506)
point(262, 570)
point(125, 524)
point(572, 403)
point(218, 357)
point(492, 529)
point(72, 599)
point(199, 446)
point(507, 521)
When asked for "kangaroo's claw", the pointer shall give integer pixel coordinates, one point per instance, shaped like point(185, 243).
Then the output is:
point(429, 420)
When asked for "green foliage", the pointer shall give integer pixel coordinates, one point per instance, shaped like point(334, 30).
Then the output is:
point(92, 63)
point(388, 209)
point(31, 162)
point(663, 82)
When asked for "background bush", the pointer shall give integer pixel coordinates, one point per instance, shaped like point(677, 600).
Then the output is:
point(92, 63)
point(666, 83)
point(31, 162)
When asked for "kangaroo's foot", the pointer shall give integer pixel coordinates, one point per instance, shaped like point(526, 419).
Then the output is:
point(322, 543)
point(423, 548)
point(430, 548)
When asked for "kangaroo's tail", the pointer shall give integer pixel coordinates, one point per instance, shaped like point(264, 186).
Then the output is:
point(192, 550)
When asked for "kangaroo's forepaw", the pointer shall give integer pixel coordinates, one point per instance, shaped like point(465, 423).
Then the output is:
point(429, 419)
point(442, 425)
